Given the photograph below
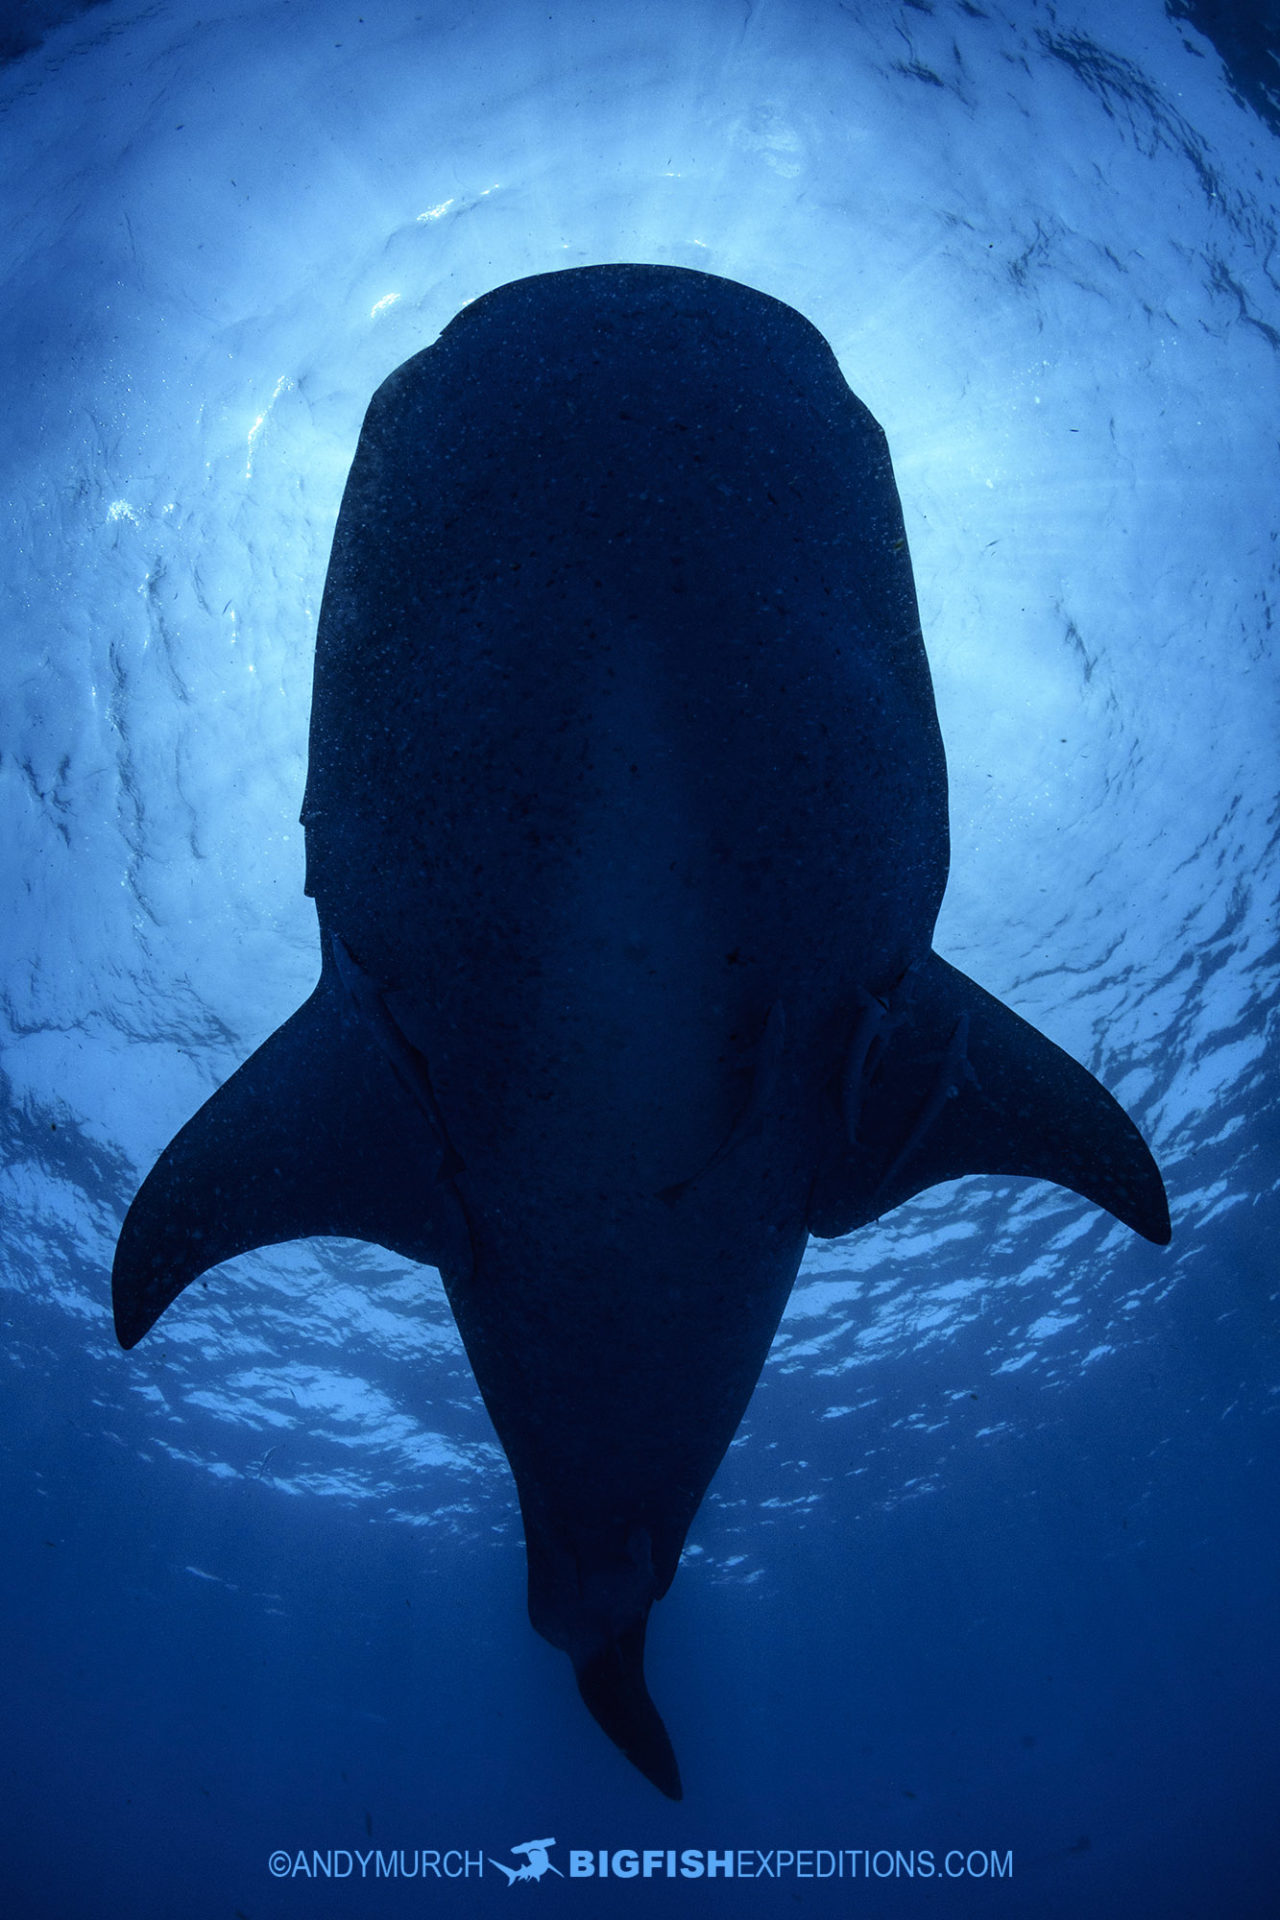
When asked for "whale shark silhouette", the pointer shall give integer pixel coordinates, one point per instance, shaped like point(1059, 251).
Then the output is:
point(626, 823)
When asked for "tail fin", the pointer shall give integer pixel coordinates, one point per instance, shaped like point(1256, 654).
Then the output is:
point(611, 1682)
point(317, 1133)
point(591, 1598)
point(953, 1082)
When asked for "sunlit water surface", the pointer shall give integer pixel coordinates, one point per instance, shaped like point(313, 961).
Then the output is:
point(991, 1563)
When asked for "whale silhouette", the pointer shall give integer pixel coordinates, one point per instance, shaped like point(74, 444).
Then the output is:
point(626, 824)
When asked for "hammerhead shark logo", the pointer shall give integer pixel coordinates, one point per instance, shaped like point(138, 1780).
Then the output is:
point(534, 1867)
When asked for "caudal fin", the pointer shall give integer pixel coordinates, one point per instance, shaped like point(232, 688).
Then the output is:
point(611, 1682)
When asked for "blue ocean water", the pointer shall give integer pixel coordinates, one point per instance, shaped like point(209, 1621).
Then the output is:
point(991, 1569)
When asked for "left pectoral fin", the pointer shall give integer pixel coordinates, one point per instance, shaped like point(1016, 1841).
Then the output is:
point(320, 1132)
point(956, 1083)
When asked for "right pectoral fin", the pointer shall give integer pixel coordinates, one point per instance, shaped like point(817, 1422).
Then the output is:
point(951, 1081)
point(316, 1134)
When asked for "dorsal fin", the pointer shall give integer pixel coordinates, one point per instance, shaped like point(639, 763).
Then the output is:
point(321, 1131)
point(956, 1084)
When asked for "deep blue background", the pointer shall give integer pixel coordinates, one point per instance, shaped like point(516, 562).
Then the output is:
point(993, 1561)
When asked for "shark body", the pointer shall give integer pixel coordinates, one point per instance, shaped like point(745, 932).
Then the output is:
point(626, 824)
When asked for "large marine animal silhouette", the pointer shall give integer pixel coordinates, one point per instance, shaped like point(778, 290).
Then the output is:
point(626, 823)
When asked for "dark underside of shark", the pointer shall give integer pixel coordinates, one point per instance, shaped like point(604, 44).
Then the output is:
point(626, 824)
